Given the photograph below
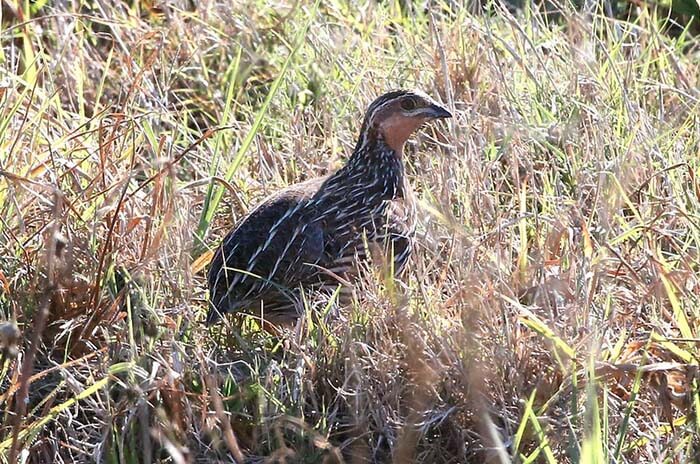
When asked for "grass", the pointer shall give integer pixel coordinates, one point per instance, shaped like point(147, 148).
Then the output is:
point(551, 313)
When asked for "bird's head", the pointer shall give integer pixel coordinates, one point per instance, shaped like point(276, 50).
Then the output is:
point(394, 116)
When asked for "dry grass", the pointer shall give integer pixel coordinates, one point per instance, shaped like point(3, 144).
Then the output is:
point(551, 315)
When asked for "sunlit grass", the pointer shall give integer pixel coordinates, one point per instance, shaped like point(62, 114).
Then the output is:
point(551, 313)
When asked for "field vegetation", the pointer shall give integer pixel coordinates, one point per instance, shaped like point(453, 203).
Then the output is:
point(551, 313)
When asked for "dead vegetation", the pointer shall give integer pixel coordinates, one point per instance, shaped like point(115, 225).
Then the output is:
point(551, 314)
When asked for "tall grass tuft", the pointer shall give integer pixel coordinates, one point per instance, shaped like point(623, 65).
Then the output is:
point(551, 312)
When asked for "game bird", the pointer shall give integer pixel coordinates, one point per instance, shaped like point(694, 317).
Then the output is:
point(315, 235)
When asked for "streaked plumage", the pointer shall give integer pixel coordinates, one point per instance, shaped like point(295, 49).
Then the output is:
point(313, 234)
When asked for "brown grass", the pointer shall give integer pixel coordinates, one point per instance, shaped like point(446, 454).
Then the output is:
point(551, 314)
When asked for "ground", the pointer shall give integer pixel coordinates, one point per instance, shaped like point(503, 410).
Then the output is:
point(551, 313)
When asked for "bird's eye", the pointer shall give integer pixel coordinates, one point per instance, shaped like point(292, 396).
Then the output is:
point(409, 104)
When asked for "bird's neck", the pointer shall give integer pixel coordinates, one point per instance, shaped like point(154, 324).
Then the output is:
point(376, 164)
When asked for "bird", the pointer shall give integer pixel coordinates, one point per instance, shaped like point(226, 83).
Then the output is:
point(315, 235)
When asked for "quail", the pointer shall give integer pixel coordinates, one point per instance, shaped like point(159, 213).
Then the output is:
point(315, 234)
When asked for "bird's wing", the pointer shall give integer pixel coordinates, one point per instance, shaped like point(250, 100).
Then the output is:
point(267, 252)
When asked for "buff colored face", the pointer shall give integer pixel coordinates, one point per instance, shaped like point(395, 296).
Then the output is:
point(401, 118)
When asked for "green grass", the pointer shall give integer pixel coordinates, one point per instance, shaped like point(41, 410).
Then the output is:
point(551, 313)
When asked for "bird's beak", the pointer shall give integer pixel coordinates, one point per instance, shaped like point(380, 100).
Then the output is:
point(438, 112)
